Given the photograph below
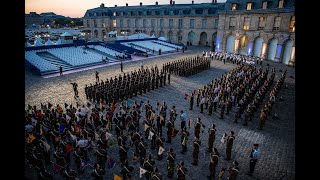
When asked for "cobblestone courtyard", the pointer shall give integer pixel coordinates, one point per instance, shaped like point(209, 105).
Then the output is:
point(277, 140)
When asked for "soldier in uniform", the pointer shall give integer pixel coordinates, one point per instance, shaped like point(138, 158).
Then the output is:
point(223, 107)
point(196, 150)
point(181, 171)
point(197, 128)
point(170, 159)
point(168, 78)
point(170, 128)
point(142, 151)
point(184, 140)
point(156, 175)
point(123, 154)
point(229, 145)
point(214, 159)
point(263, 118)
point(212, 137)
point(191, 101)
point(233, 171)
point(159, 144)
point(148, 165)
point(210, 106)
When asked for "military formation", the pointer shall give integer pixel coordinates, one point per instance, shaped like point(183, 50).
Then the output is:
point(127, 85)
point(64, 136)
point(187, 66)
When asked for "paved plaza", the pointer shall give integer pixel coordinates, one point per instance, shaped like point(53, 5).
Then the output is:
point(277, 139)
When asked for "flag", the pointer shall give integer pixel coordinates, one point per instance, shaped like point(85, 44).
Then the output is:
point(68, 118)
point(110, 163)
point(150, 135)
point(62, 128)
point(83, 163)
point(116, 177)
point(145, 126)
point(46, 145)
point(108, 135)
point(56, 168)
point(142, 171)
point(161, 149)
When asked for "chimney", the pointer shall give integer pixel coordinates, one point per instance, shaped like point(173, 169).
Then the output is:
point(140, 3)
point(102, 5)
point(170, 2)
point(156, 2)
point(115, 5)
point(126, 4)
point(214, 1)
point(192, 2)
point(173, 2)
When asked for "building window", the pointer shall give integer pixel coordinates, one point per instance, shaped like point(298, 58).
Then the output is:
point(136, 23)
point(157, 13)
point(102, 23)
point(204, 23)
point(246, 24)
point(88, 23)
point(199, 11)
point(144, 22)
point(211, 11)
point(140, 13)
point(277, 22)
point(171, 12)
point(264, 4)
point(114, 14)
point(180, 23)
point(153, 23)
point(191, 23)
point(170, 23)
point(114, 22)
point(216, 22)
point(149, 13)
point(121, 23)
point(249, 6)
point(161, 23)
point(234, 7)
point(94, 23)
point(128, 23)
point(186, 11)
point(232, 23)
point(281, 4)
point(262, 22)
point(292, 24)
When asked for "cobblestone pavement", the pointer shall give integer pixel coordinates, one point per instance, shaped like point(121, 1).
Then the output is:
point(277, 140)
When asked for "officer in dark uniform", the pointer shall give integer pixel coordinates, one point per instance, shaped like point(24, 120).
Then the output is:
point(142, 151)
point(212, 137)
point(123, 153)
point(229, 145)
point(170, 159)
point(148, 165)
point(197, 128)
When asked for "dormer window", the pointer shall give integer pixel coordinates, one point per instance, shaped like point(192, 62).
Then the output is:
point(249, 6)
point(265, 5)
point(234, 7)
point(281, 4)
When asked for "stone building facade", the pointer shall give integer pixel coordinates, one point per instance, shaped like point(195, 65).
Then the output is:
point(263, 28)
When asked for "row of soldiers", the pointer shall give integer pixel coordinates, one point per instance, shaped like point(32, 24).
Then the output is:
point(128, 85)
point(236, 58)
point(270, 102)
point(187, 66)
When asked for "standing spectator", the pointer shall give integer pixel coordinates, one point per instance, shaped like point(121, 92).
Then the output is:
point(61, 72)
point(97, 76)
point(121, 65)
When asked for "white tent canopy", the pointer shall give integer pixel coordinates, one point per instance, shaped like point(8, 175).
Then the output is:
point(162, 38)
point(59, 41)
point(28, 44)
point(66, 34)
point(38, 42)
point(112, 32)
point(49, 42)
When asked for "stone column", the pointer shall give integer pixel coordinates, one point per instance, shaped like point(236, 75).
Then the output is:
point(278, 53)
point(264, 51)
point(292, 57)
point(236, 46)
